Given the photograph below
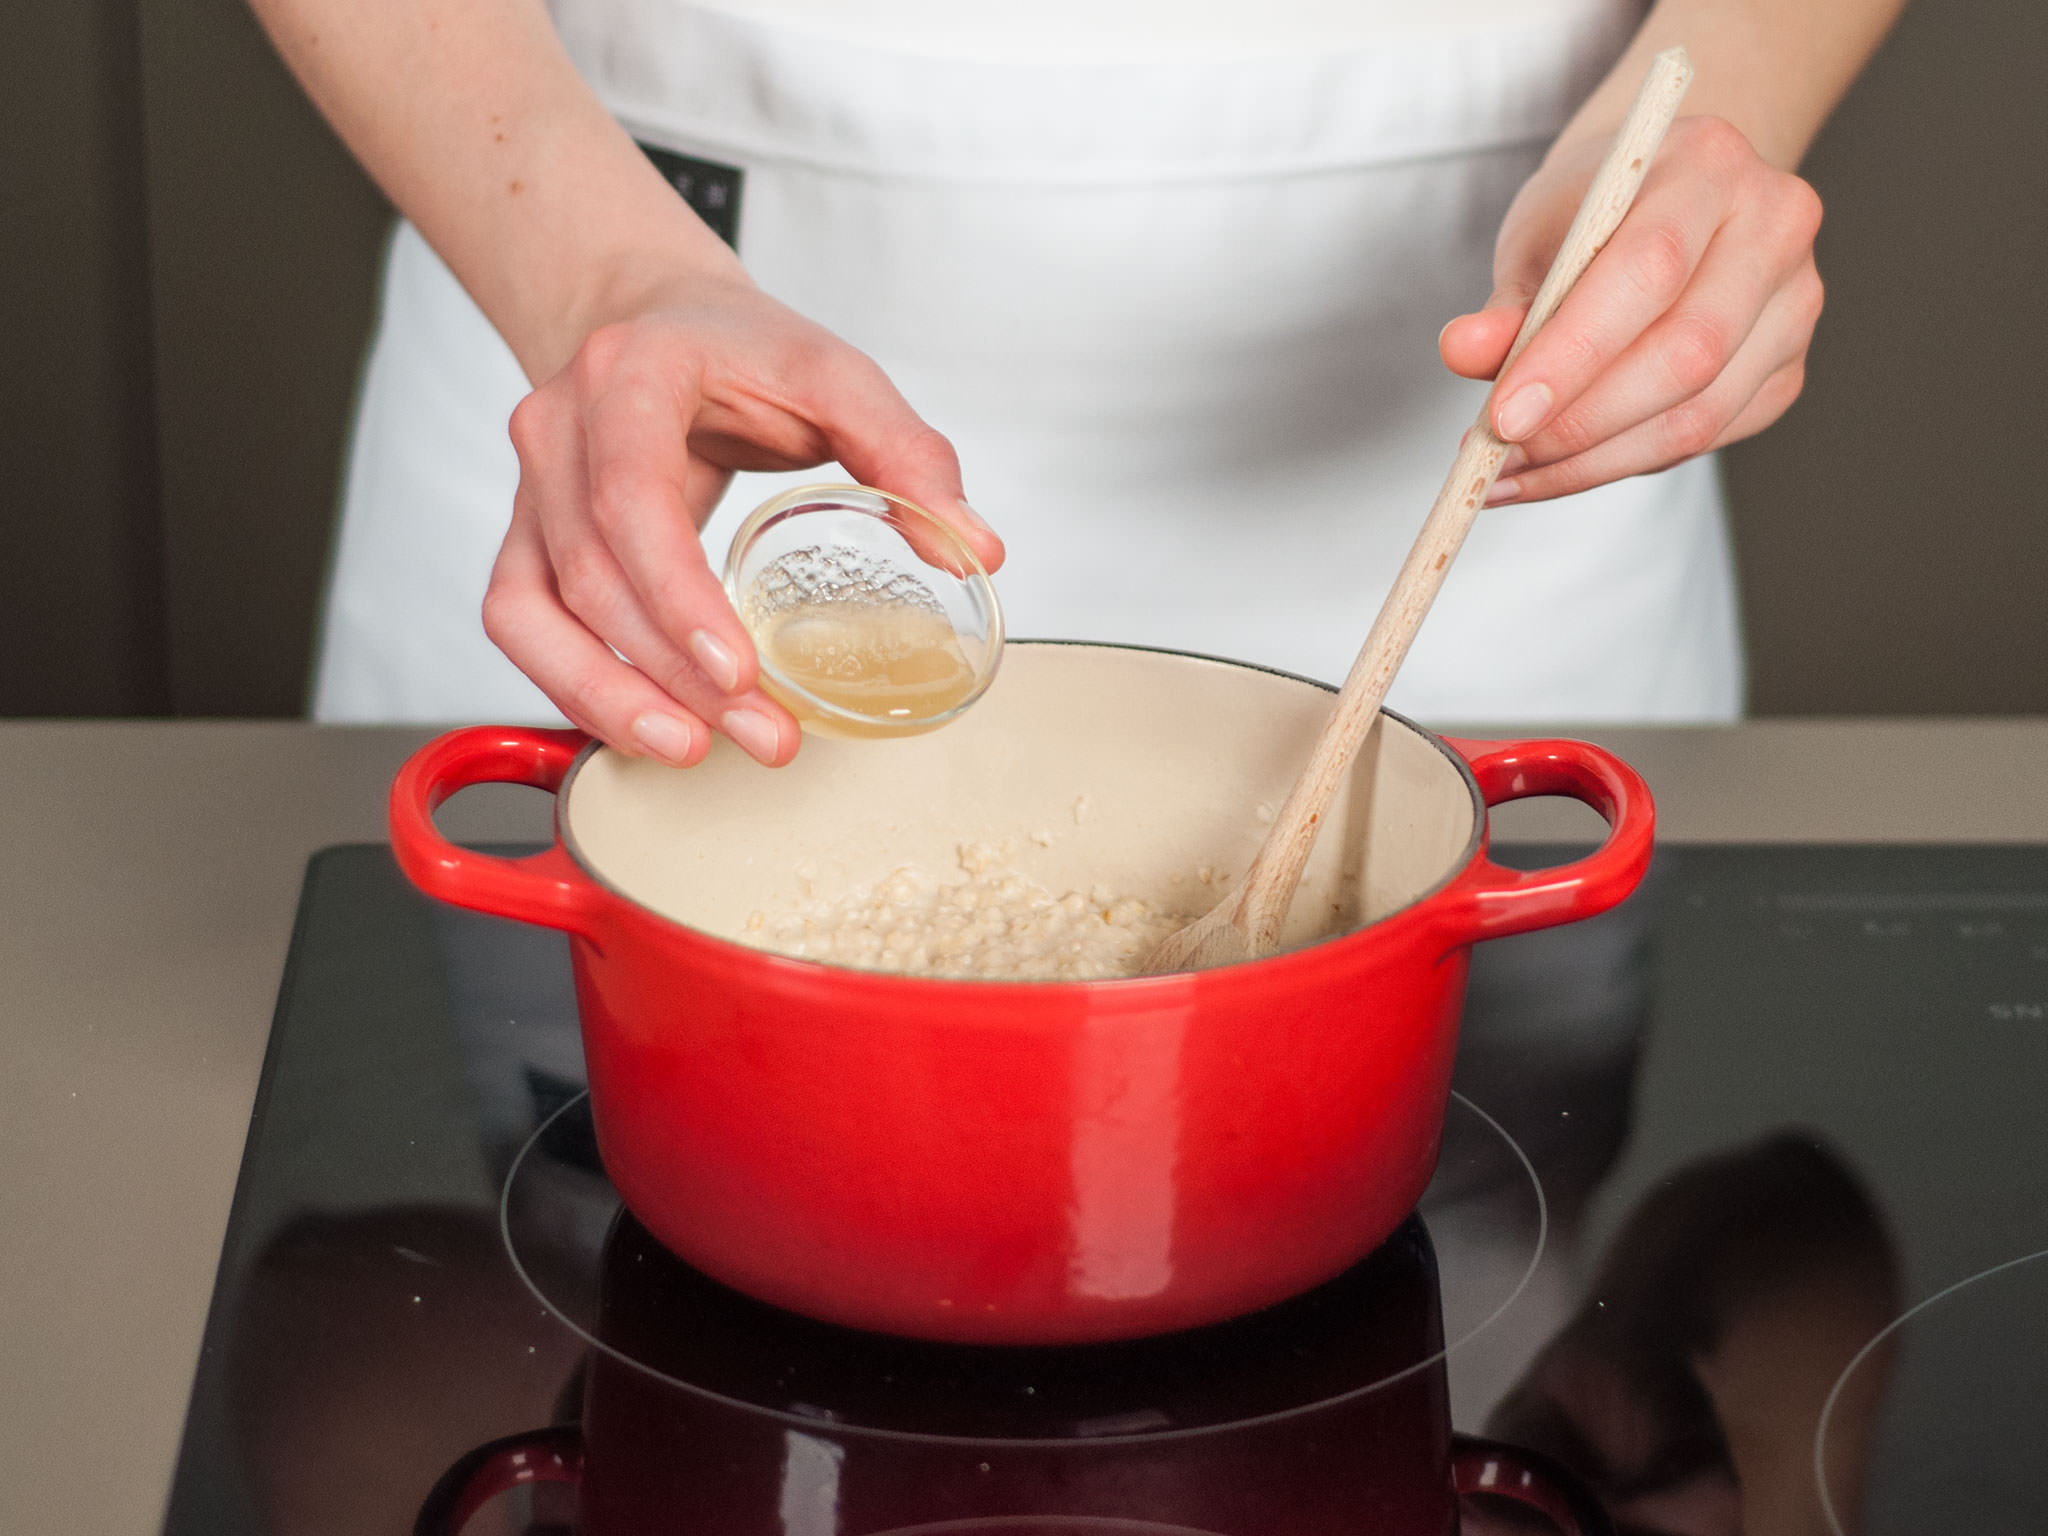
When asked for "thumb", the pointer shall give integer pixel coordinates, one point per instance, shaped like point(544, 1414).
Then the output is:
point(1474, 346)
point(882, 442)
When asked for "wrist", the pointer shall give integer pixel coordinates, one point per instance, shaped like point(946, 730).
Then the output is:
point(642, 279)
point(631, 278)
point(598, 236)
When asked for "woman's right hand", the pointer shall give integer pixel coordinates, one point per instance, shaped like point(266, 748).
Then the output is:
point(602, 592)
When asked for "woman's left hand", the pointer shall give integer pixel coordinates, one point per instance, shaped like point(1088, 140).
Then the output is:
point(1688, 332)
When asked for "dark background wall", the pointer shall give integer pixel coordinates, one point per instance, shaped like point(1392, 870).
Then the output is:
point(1893, 529)
point(185, 290)
point(186, 268)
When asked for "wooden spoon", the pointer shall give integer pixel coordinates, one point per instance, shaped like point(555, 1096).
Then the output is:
point(1246, 923)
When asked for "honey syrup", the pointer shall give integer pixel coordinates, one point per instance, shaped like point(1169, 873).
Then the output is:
point(894, 667)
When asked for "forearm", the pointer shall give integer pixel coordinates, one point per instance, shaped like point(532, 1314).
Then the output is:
point(470, 116)
point(1773, 68)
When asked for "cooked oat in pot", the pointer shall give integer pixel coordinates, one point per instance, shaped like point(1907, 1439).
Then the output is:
point(997, 924)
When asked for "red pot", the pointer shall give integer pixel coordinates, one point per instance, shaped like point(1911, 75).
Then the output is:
point(1025, 1162)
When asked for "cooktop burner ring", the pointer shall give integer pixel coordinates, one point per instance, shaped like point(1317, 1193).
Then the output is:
point(1878, 1340)
point(1481, 1135)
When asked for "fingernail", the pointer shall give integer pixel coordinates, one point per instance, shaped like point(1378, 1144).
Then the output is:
point(1516, 459)
point(973, 516)
point(1523, 411)
point(753, 731)
point(1440, 335)
point(665, 736)
point(717, 660)
point(1503, 490)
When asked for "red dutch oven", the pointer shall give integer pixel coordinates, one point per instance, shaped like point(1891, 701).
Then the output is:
point(1026, 1162)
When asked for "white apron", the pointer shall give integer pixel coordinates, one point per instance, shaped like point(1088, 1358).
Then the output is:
point(1178, 313)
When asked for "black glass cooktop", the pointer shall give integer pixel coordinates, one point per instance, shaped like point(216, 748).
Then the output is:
point(1742, 1217)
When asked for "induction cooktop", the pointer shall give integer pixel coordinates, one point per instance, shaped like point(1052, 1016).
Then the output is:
point(1741, 1218)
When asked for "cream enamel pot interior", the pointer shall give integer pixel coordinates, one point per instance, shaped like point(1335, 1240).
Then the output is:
point(1025, 1162)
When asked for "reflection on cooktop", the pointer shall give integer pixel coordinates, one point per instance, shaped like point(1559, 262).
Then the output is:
point(1708, 1337)
point(1731, 1133)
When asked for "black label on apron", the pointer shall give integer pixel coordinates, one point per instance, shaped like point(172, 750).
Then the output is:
point(712, 190)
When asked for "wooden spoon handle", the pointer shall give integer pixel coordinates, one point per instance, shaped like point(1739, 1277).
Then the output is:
point(1268, 887)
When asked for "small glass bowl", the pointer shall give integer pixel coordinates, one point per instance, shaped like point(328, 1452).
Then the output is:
point(871, 617)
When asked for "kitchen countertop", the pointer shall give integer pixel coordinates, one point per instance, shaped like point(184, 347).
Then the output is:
point(151, 876)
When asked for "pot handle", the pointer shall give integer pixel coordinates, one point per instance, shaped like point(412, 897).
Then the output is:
point(1525, 1478)
point(547, 888)
point(552, 1455)
point(1490, 900)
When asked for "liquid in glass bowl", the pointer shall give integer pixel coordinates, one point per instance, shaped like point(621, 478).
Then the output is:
point(870, 616)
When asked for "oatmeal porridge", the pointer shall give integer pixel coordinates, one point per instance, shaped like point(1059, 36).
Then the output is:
point(996, 924)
